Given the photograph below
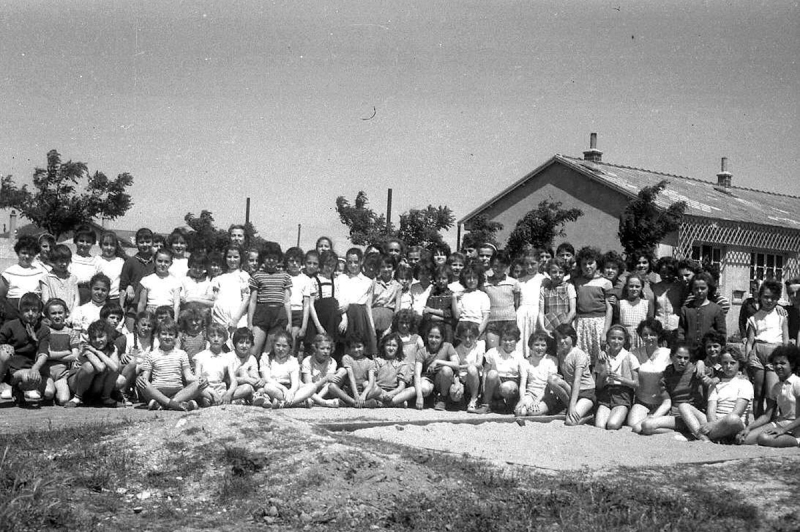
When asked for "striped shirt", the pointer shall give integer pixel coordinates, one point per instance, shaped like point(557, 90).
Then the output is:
point(166, 369)
point(271, 287)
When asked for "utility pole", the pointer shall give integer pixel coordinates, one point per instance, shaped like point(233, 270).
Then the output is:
point(247, 212)
point(389, 212)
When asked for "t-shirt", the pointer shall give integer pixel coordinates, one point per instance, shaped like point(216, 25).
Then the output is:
point(726, 393)
point(501, 298)
point(194, 289)
point(474, 306)
point(214, 367)
point(84, 268)
point(767, 326)
point(361, 367)
point(507, 365)
point(280, 371)
point(302, 287)
point(591, 296)
point(411, 344)
point(161, 290)
point(317, 370)
point(426, 358)
point(113, 270)
point(271, 287)
point(537, 375)
point(651, 370)
point(385, 294)
point(166, 368)
point(64, 339)
point(623, 364)
point(785, 393)
point(419, 297)
point(179, 267)
point(390, 373)
point(353, 290)
point(54, 286)
point(244, 368)
point(469, 355)
point(84, 316)
point(21, 280)
point(683, 387)
point(576, 357)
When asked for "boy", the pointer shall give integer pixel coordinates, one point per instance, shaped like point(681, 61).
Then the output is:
point(133, 271)
point(302, 290)
point(355, 380)
point(112, 314)
point(320, 369)
point(28, 343)
point(63, 351)
point(270, 308)
point(217, 367)
point(59, 282)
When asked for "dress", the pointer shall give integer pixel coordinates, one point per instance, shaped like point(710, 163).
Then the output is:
point(231, 290)
point(20, 281)
point(630, 316)
point(113, 270)
point(355, 291)
point(528, 310)
point(327, 308)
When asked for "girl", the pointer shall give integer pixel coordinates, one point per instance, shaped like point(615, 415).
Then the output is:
point(530, 288)
point(434, 368)
point(217, 368)
point(440, 306)
point(139, 344)
point(385, 295)
point(324, 313)
point(324, 244)
point(439, 252)
point(668, 293)
point(46, 243)
point(196, 287)
point(231, 291)
point(302, 290)
point(161, 288)
point(96, 369)
point(216, 264)
point(767, 329)
point(89, 312)
point(653, 360)
point(593, 311)
point(682, 391)
point(192, 323)
point(503, 292)
point(641, 262)
point(319, 369)
point(504, 365)
point(112, 259)
point(728, 409)
point(617, 378)
point(574, 387)
point(167, 381)
point(354, 383)
point(280, 372)
point(405, 278)
point(252, 261)
point(20, 278)
point(784, 429)
point(395, 248)
point(538, 369)
point(633, 309)
point(566, 252)
point(421, 289)
point(701, 315)
point(545, 256)
point(354, 291)
point(470, 353)
point(392, 374)
point(456, 261)
point(249, 384)
point(176, 243)
point(473, 304)
point(58, 282)
point(404, 324)
point(556, 298)
point(270, 309)
point(84, 264)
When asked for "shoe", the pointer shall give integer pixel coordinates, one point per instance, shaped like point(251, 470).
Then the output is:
point(308, 403)
point(275, 404)
point(6, 394)
point(259, 399)
point(483, 409)
point(238, 402)
point(191, 405)
point(126, 400)
point(472, 407)
point(333, 403)
point(153, 405)
point(32, 396)
point(439, 405)
point(108, 402)
point(74, 402)
point(372, 403)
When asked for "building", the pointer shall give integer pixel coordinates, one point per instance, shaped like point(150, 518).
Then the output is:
point(750, 234)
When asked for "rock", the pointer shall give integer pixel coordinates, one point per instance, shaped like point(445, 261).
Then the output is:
point(180, 423)
point(272, 511)
point(143, 496)
point(138, 510)
point(304, 517)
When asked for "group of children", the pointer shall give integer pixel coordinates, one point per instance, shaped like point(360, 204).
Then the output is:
point(548, 332)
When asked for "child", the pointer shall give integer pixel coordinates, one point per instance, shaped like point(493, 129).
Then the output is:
point(470, 353)
point(784, 429)
point(404, 324)
point(504, 365)
point(302, 290)
point(355, 380)
point(440, 306)
point(26, 342)
point(593, 311)
point(473, 303)
point(245, 367)
point(324, 313)
point(617, 373)
point(139, 342)
point(701, 315)
point(668, 293)
point(133, 271)
point(216, 264)
point(729, 403)
point(270, 309)
point(767, 329)
point(566, 252)
point(89, 312)
point(392, 374)
point(237, 234)
point(405, 277)
point(167, 380)
point(556, 298)
point(59, 282)
point(324, 244)
point(46, 244)
point(84, 265)
point(653, 360)
point(421, 288)
point(62, 351)
point(192, 323)
point(161, 288)
point(537, 370)
point(681, 391)
point(159, 243)
point(176, 243)
point(385, 295)
point(253, 260)
point(112, 314)
point(574, 387)
point(280, 372)
point(633, 309)
point(111, 261)
point(96, 370)
point(434, 368)
point(354, 291)
point(20, 278)
point(217, 368)
point(311, 264)
point(456, 261)
point(196, 286)
point(231, 291)
point(319, 369)
point(504, 293)
point(530, 287)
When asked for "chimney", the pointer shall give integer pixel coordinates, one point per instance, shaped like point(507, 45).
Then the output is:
point(724, 177)
point(12, 225)
point(593, 154)
point(104, 222)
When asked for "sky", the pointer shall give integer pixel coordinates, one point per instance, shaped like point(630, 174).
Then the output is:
point(445, 102)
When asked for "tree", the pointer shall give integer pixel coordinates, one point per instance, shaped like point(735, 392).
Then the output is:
point(481, 230)
point(206, 236)
point(643, 225)
point(540, 226)
point(56, 205)
point(365, 225)
point(420, 227)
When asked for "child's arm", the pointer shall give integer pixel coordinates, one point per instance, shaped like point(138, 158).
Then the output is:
point(90, 354)
point(315, 318)
point(399, 297)
point(251, 308)
point(370, 384)
point(227, 397)
point(572, 306)
point(609, 318)
point(785, 330)
point(573, 397)
point(762, 420)
point(287, 307)
point(45, 288)
point(517, 290)
point(484, 323)
point(418, 384)
point(351, 377)
point(306, 314)
point(143, 300)
point(751, 340)
point(245, 305)
point(711, 409)
point(111, 362)
point(523, 383)
point(453, 308)
point(176, 300)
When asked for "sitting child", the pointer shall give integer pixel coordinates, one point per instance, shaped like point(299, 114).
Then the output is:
point(96, 370)
point(434, 368)
point(574, 387)
point(392, 374)
point(617, 379)
point(319, 369)
point(470, 353)
point(539, 367)
point(25, 344)
point(504, 364)
point(63, 351)
point(281, 374)
point(355, 380)
point(217, 368)
point(245, 367)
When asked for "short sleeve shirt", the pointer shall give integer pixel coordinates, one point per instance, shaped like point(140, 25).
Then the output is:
point(537, 375)
point(575, 358)
point(361, 367)
point(726, 393)
point(785, 394)
point(507, 365)
point(166, 369)
point(389, 373)
point(426, 358)
point(280, 371)
point(318, 371)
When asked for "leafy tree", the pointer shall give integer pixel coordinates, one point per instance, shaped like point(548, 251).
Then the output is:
point(481, 230)
point(57, 206)
point(642, 224)
point(540, 226)
point(420, 227)
point(365, 225)
point(206, 235)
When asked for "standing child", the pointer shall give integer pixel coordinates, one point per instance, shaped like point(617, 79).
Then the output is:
point(20, 278)
point(470, 353)
point(302, 291)
point(24, 348)
point(503, 292)
point(84, 264)
point(354, 382)
point(593, 311)
point(192, 323)
point(456, 261)
point(46, 244)
point(405, 277)
point(700, 315)
point(245, 367)
point(176, 242)
point(435, 368)
point(217, 368)
point(59, 282)
point(767, 329)
point(538, 369)
point(161, 288)
point(385, 295)
point(617, 379)
point(96, 370)
point(89, 312)
point(231, 291)
point(574, 387)
point(354, 291)
point(556, 298)
point(633, 308)
point(504, 365)
point(319, 369)
point(63, 351)
point(421, 288)
point(133, 271)
point(473, 304)
point(324, 313)
point(281, 374)
point(530, 288)
point(441, 305)
point(196, 286)
point(270, 310)
point(392, 374)
point(252, 262)
point(111, 261)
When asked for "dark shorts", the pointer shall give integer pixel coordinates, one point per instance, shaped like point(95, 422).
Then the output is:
point(496, 327)
point(554, 404)
point(270, 318)
point(614, 395)
point(56, 370)
point(297, 318)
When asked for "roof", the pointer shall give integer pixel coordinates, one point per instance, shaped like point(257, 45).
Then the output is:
point(704, 199)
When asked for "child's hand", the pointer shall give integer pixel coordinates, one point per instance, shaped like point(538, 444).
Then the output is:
point(359, 402)
point(33, 377)
point(420, 403)
point(259, 383)
point(202, 383)
point(289, 327)
point(141, 382)
point(742, 436)
point(573, 416)
point(343, 325)
point(288, 396)
point(302, 332)
point(226, 399)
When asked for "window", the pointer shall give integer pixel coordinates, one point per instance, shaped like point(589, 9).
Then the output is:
point(766, 266)
point(708, 255)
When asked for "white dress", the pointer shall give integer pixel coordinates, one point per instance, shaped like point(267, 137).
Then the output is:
point(528, 311)
point(231, 290)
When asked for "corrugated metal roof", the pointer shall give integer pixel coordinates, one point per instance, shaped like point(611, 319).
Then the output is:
point(704, 199)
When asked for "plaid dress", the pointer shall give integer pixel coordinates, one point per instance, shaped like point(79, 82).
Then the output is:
point(554, 303)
